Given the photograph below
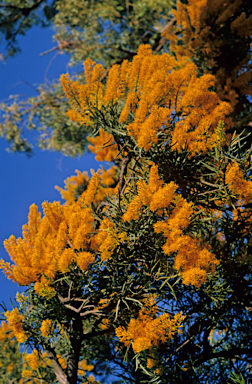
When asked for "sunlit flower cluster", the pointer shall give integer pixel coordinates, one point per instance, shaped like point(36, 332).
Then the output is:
point(5, 331)
point(52, 243)
point(62, 361)
point(85, 98)
point(149, 329)
point(94, 189)
point(46, 327)
point(83, 366)
point(167, 103)
point(156, 195)
point(27, 373)
point(72, 184)
point(108, 238)
point(31, 363)
point(103, 146)
point(193, 258)
point(63, 236)
point(32, 359)
point(15, 322)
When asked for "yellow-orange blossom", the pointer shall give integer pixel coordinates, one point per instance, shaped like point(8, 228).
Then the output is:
point(154, 92)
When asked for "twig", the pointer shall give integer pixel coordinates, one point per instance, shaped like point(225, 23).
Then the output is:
point(103, 203)
point(125, 163)
point(161, 40)
point(132, 170)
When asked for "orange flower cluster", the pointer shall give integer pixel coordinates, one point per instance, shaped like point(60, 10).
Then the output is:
point(83, 366)
point(32, 360)
point(237, 184)
point(5, 332)
point(46, 327)
point(27, 373)
point(101, 186)
point(103, 146)
point(193, 258)
point(65, 235)
point(62, 361)
point(157, 195)
point(155, 94)
point(108, 238)
point(193, 32)
point(15, 322)
point(148, 329)
point(85, 98)
point(71, 185)
point(52, 243)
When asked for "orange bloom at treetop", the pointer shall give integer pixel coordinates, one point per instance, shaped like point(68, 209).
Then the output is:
point(160, 102)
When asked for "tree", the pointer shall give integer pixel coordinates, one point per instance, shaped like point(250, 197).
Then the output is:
point(116, 27)
point(148, 264)
point(152, 270)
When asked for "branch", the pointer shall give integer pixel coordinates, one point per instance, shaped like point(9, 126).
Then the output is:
point(181, 346)
point(161, 40)
point(68, 299)
point(230, 354)
point(132, 170)
point(61, 376)
point(93, 312)
point(214, 190)
point(98, 333)
point(103, 203)
point(8, 6)
point(61, 45)
point(125, 163)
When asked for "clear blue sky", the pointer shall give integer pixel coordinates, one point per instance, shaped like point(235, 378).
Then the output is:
point(30, 180)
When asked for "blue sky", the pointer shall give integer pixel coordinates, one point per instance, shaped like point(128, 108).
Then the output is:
point(30, 180)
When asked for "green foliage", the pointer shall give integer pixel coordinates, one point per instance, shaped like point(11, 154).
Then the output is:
point(113, 29)
point(238, 379)
point(48, 109)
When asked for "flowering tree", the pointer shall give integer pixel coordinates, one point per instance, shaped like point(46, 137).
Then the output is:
point(108, 31)
point(210, 33)
point(145, 272)
point(145, 264)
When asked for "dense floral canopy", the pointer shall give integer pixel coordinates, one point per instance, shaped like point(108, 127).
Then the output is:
point(145, 271)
